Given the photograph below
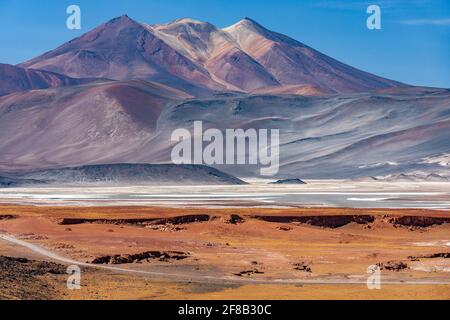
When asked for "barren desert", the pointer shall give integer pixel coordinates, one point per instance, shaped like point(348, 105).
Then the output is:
point(224, 250)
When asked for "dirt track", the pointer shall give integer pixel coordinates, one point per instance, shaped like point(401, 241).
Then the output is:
point(237, 248)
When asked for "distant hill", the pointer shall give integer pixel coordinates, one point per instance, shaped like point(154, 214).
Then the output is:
point(124, 174)
point(75, 125)
point(17, 182)
point(13, 79)
point(413, 177)
point(289, 181)
point(344, 136)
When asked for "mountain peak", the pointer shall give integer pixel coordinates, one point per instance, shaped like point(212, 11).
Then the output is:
point(187, 24)
point(250, 21)
point(248, 26)
point(188, 20)
point(192, 55)
point(122, 20)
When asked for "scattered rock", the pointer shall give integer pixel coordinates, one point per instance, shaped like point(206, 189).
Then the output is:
point(7, 217)
point(38, 267)
point(139, 257)
point(445, 255)
point(393, 265)
point(415, 222)
point(335, 221)
point(234, 219)
point(64, 246)
point(284, 228)
point(166, 227)
point(248, 273)
point(302, 266)
point(32, 236)
point(139, 222)
point(23, 279)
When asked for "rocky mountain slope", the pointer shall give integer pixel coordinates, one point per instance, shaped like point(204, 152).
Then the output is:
point(199, 58)
point(81, 124)
point(353, 135)
point(335, 121)
point(14, 79)
point(365, 134)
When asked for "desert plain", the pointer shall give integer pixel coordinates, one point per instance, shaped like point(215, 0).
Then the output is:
point(225, 250)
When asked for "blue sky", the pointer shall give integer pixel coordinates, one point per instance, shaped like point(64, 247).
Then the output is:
point(413, 45)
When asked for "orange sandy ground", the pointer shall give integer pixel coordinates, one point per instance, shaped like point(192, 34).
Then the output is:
point(220, 250)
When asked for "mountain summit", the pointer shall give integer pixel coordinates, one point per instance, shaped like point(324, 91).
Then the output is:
point(199, 58)
point(123, 49)
point(293, 63)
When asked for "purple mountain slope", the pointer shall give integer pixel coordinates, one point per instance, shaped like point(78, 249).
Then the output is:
point(353, 135)
point(91, 123)
point(123, 49)
point(199, 58)
point(13, 79)
point(335, 121)
point(293, 63)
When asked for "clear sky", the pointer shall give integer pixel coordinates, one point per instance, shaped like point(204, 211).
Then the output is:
point(413, 45)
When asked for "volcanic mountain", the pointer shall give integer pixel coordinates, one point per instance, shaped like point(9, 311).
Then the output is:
point(198, 58)
point(293, 63)
point(123, 49)
point(335, 121)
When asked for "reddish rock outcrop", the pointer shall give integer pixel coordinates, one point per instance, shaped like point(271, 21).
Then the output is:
point(234, 219)
point(302, 266)
point(164, 256)
point(444, 255)
point(139, 222)
point(7, 217)
point(417, 221)
point(248, 273)
point(320, 221)
point(393, 265)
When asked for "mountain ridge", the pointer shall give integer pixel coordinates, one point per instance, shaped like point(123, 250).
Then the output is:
point(201, 59)
point(14, 79)
point(335, 121)
point(337, 136)
point(121, 174)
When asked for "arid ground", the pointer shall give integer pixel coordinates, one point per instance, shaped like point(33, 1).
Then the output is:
point(223, 253)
